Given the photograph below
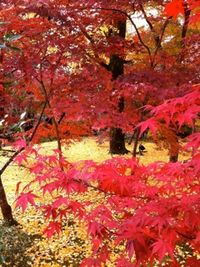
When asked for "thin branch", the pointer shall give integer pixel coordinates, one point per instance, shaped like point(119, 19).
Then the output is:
point(146, 18)
point(155, 35)
point(133, 23)
point(160, 38)
point(7, 150)
point(187, 13)
point(38, 122)
point(186, 236)
point(6, 136)
point(11, 160)
point(23, 148)
point(54, 120)
point(85, 33)
point(106, 192)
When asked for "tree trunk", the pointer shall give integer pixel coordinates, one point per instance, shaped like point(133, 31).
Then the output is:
point(137, 134)
point(5, 207)
point(174, 150)
point(187, 13)
point(173, 158)
point(116, 66)
point(117, 141)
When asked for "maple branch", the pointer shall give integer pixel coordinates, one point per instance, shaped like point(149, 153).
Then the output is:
point(6, 136)
point(164, 28)
point(38, 122)
point(187, 13)
point(85, 33)
point(159, 41)
point(157, 38)
point(92, 41)
point(105, 192)
point(185, 236)
point(7, 150)
point(23, 148)
point(11, 160)
point(132, 22)
point(54, 120)
point(146, 18)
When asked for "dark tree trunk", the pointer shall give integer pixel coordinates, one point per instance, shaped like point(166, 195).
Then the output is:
point(116, 66)
point(5, 207)
point(174, 155)
point(137, 134)
point(187, 13)
point(174, 150)
point(173, 158)
point(117, 141)
point(117, 137)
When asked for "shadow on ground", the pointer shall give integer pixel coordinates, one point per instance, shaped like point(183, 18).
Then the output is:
point(14, 245)
point(20, 249)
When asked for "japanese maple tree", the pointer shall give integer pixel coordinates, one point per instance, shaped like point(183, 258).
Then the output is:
point(74, 65)
point(153, 211)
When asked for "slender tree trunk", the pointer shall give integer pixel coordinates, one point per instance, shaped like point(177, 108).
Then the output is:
point(174, 150)
point(187, 13)
point(137, 133)
point(5, 207)
point(116, 66)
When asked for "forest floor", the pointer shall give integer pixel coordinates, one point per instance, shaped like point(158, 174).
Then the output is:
point(24, 245)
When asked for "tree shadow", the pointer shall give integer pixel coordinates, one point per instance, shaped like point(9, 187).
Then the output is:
point(20, 249)
point(14, 245)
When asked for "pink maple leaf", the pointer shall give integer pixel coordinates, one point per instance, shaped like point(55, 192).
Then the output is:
point(21, 143)
point(21, 158)
point(24, 199)
point(162, 248)
point(59, 202)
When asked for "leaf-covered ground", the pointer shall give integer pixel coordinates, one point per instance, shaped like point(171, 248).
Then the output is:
point(24, 245)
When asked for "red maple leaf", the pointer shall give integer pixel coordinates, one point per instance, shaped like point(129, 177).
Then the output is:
point(174, 8)
point(52, 228)
point(151, 124)
point(193, 262)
